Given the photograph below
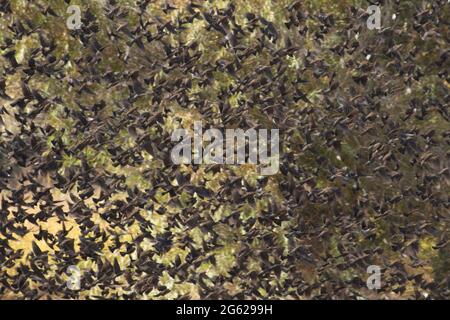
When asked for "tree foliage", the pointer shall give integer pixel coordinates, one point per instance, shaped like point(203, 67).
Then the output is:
point(86, 178)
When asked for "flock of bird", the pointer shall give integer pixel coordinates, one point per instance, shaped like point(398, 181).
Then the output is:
point(86, 177)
